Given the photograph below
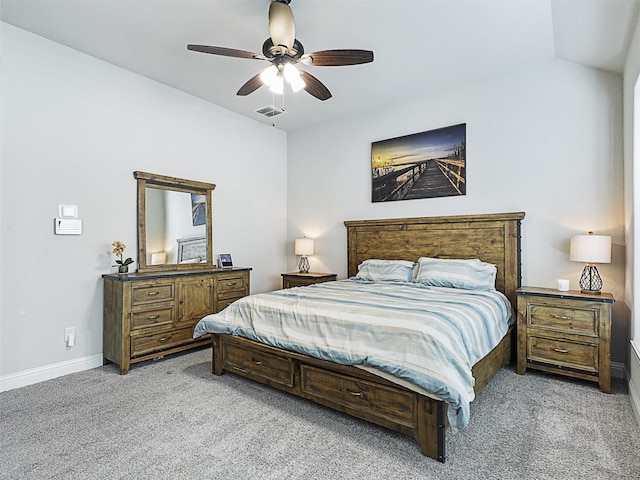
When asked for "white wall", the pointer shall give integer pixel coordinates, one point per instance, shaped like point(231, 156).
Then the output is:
point(74, 129)
point(546, 141)
point(632, 201)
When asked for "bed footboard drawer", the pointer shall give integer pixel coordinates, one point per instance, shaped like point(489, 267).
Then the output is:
point(255, 363)
point(356, 395)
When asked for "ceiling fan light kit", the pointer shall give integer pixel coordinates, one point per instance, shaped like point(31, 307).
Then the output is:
point(284, 51)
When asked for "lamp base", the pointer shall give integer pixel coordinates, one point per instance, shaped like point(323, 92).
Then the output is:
point(303, 265)
point(590, 281)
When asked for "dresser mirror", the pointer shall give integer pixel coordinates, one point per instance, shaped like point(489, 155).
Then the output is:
point(174, 223)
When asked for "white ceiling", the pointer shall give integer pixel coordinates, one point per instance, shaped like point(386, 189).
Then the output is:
point(419, 45)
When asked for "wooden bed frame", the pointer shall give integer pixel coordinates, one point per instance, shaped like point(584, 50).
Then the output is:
point(493, 238)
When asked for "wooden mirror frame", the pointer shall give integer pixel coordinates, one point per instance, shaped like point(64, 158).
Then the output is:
point(179, 185)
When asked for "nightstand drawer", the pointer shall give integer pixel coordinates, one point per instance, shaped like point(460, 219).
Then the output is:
point(564, 354)
point(563, 319)
point(297, 279)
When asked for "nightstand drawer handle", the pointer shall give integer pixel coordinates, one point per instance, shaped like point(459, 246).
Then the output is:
point(257, 362)
point(355, 394)
point(560, 350)
point(560, 317)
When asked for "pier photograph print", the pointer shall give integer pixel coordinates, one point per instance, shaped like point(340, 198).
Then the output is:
point(422, 165)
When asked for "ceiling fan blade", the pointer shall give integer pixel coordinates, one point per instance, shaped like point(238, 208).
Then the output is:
point(282, 27)
point(226, 52)
point(337, 58)
point(314, 86)
point(251, 86)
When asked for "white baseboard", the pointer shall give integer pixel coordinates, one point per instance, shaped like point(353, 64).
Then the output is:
point(48, 372)
point(634, 389)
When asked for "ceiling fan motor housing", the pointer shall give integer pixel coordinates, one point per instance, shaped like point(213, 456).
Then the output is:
point(271, 51)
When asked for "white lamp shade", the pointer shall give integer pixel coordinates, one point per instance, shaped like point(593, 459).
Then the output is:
point(304, 246)
point(158, 258)
point(269, 74)
point(590, 248)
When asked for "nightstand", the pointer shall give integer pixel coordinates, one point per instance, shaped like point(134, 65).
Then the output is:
point(297, 279)
point(568, 333)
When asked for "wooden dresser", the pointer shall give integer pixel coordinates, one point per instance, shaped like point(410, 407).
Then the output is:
point(568, 333)
point(153, 314)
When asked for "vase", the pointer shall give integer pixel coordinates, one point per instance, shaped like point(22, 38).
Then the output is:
point(123, 269)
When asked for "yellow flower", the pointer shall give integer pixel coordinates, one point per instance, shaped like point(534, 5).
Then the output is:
point(118, 247)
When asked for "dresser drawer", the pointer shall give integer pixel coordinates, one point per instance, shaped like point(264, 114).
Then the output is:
point(144, 294)
point(581, 321)
point(152, 318)
point(360, 395)
point(141, 344)
point(562, 353)
point(231, 285)
point(258, 364)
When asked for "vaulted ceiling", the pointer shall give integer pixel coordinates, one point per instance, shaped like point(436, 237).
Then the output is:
point(419, 45)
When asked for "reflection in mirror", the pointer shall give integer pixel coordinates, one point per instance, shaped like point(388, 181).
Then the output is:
point(176, 227)
point(174, 223)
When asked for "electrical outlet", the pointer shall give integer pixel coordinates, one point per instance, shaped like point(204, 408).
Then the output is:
point(70, 336)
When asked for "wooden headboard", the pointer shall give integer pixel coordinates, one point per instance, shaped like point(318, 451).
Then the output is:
point(493, 238)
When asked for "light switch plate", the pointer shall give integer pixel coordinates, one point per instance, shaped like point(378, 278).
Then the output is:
point(68, 226)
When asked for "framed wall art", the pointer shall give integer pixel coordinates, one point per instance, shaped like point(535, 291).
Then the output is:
point(422, 165)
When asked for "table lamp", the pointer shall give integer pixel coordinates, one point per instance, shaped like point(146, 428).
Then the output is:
point(590, 249)
point(304, 246)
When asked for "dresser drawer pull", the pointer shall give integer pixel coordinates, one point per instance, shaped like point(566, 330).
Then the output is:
point(560, 350)
point(355, 394)
point(152, 294)
point(230, 284)
point(164, 339)
point(152, 317)
point(561, 317)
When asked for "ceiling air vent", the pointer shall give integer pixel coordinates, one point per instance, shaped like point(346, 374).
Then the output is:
point(270, 111)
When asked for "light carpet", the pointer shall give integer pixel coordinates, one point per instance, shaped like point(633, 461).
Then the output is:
point(173, 419)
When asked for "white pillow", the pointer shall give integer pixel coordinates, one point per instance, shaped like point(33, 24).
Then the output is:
point(386, 270)
point(469, 274)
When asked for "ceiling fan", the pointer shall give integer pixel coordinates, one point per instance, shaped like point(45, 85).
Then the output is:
point(283, 50)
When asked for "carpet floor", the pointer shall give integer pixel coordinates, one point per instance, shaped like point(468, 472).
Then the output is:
point(172, 419)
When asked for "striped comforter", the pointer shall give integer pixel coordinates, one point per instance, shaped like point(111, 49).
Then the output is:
point(429, 337)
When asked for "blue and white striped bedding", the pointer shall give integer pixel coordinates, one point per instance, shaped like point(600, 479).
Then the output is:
point(427, 336)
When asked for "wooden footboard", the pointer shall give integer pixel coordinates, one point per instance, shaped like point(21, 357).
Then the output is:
point(349, 389)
